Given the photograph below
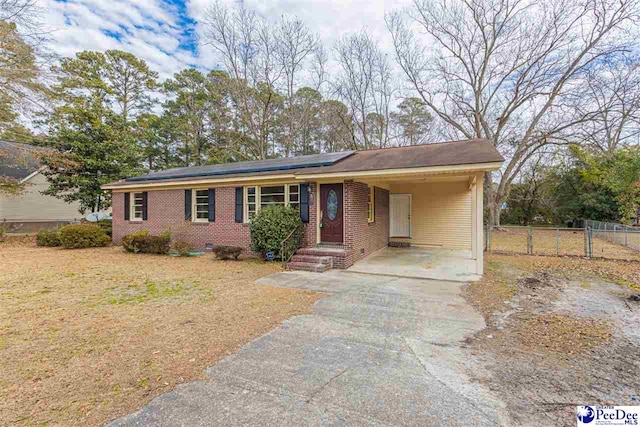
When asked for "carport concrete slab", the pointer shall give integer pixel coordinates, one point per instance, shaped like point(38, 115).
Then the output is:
point(377, 350)
point(420, 263)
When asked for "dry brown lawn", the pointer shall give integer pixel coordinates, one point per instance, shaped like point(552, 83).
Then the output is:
point(571, 243)
point(90, 335)
point(626, 273)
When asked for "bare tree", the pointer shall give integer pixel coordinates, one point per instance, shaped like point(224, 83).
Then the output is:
point(508, 70)
point(295, 44)
point(364, 84)
point(246, 50)
point(262, 59)
point(24, 13)
point(614, 88)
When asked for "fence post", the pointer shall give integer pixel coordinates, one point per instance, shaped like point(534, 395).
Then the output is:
point(530, 241)
point(586, 249)
point(588, 242)
point(557, 241)
point(626, 238)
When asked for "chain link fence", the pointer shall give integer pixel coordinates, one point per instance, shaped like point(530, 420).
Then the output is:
point(595, 240)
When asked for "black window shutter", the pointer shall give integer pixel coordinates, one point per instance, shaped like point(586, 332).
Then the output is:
point(187, 205)
point(304, 202)
point(144, 205)
point(212, 204)
point(239, 196)
point(127, 205)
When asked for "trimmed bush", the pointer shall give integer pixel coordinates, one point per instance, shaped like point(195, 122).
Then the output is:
point(128, 240)
point(271, 226)
point(182, 248)
point(106, 225)
point(79, 236)
point(142, 241)
point(48, 238)
point(227, 252)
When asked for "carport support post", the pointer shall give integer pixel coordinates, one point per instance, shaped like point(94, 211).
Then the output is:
point(477, 238)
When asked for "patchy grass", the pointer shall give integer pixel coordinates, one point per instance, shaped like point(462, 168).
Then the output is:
point(90, 335)
point(559, 333)
point(493, 291)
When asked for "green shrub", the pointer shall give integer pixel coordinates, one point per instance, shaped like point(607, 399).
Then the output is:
point(49, 238)
point(106, 225)
point(3, 232)
point(271, 226)
point(227, 252)
point(128, 240)
point(78, 236)
point(182, 248)
point(142, 241)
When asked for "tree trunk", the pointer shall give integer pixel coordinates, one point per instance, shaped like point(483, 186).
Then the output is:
point(493, 201)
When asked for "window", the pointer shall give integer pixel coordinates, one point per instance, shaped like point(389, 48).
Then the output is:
point(137, 202)
point(272, 196)
point(294, 196)
point(252, 194)
point(257, 198)
point(201, 205)
point(372, 204)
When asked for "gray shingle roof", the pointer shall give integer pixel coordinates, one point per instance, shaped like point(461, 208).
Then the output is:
point(18, 160)
point(465, 152)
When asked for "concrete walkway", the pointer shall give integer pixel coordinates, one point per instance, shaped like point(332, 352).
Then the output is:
point(377, 351)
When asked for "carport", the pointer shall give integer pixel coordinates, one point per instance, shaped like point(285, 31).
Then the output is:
point(435, 226)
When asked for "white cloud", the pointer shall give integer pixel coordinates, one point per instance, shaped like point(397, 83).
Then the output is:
point(155, 31)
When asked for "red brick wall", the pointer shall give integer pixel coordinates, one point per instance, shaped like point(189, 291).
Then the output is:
point(311, 230)
point(166, 211)
point(362, 237)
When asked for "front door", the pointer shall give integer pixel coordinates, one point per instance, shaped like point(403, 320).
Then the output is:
point(400, 218)
point(331, 213)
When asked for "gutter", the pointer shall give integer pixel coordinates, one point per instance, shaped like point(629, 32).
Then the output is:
point(470, 167)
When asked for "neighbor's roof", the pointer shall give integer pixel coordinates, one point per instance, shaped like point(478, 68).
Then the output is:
point(18, 160)
point(453, 153)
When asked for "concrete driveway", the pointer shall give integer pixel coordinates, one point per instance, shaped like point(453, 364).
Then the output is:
point(377, 351)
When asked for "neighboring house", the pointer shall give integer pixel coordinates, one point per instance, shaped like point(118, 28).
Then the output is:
point(352, 203)
point(31, 209)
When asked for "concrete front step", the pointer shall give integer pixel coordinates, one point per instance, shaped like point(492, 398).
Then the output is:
point(329, 252)
point(308, 266)
point(314, 259)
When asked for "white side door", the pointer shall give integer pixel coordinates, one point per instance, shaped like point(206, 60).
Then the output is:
point(400, 218)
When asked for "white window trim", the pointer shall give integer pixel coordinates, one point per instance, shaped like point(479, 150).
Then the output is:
point(258, 202)
point(132, 204)
point(372, 191)
point(194, 201)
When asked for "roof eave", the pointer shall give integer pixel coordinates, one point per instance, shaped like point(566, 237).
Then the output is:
point(467, 167)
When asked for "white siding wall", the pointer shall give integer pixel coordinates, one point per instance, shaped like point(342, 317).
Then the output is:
point(32, 205)
point(440, 214)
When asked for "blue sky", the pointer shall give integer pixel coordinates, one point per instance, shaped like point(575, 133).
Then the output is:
point(165, 32)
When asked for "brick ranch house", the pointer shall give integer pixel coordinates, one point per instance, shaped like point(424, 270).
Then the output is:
point(351, 203)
